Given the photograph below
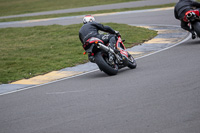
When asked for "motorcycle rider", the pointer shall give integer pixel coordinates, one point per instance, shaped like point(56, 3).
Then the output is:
point(181, 8)
point(91, 28)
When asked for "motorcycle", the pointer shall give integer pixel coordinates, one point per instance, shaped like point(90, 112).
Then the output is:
point(193, 19)
point(109, 60)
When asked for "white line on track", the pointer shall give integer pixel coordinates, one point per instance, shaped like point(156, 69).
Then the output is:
point(64, 92)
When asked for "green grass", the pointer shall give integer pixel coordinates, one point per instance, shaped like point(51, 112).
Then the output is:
point(31, 51)
point(13, 7)
point(84, 13)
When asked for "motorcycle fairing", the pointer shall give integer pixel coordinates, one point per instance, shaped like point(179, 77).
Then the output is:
point(120, 46)
point(91, 41)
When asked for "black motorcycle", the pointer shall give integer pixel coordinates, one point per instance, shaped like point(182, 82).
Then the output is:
point(109, 60)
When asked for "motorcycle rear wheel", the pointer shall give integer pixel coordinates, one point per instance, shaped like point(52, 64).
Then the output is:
point(102, 62)
point(196, 27)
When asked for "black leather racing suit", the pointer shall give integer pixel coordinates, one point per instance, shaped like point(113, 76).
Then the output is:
point(181, 8)
point(91, 29)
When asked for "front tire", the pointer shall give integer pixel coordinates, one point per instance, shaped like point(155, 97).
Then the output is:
point(132, 63)
point(196, 27)
point(103, 64)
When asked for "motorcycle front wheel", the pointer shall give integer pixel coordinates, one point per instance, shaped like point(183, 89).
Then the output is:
point(131, 63)
point(196, 27)
point(101, 60)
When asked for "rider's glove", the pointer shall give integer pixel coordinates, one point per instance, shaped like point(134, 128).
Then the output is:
point(117, 33)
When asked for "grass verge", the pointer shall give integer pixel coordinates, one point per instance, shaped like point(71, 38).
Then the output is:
point(84, 13)
point(31, 51)
point(13, 7)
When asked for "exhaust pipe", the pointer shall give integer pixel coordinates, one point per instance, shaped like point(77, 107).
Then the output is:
point(105, 48)
point(189, 15)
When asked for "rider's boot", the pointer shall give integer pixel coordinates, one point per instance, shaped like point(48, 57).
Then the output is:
point(111, 56)
point(194, 35)
point(116, 51)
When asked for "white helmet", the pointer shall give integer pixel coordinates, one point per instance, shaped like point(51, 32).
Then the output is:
point(88, 18)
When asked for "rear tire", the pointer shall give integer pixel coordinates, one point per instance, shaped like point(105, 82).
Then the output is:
point(103, 65)
point(196, 27)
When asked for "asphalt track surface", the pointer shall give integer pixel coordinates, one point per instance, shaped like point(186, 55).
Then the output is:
point(160, 96)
